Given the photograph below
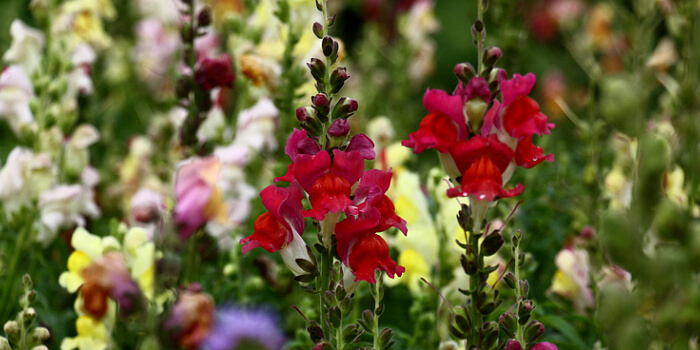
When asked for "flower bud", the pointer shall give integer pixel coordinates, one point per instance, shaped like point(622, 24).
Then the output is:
point(40, 347)
point(318, 69)
point(339, 128)
point(533, 330)
point(186, 32)
point(345, 108)
point(469, 262)
point(508, 323)
point(464, 72)
point(524, 288)
point(331, 20)
point(509, 278)
point(496, 76)
point(513, 345)
point(304, 114)
point(315, 331)
point(492, 243)
point(204, 17)
point(28, 316)
point(524, 310)
point(338, 78)
point(327, 46)
point(318, 30)
point(39, 335)
point(367, 320)
point(489, 333)
point(27, 282)
point(491, 55)
point(478, 31)
point(4, 344)
point(461, 321)
point(12, 331)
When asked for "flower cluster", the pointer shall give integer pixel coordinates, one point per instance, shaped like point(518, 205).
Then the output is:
point(329, 178)
point(482, 158)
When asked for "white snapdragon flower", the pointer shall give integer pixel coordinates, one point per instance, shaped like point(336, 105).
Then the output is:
point(257, 125)
point(16, 91)
point(66, 205)
point(26, 48)
point(23, 177)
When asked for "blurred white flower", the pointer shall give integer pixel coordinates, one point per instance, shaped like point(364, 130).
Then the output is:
point(257, 126)
point(26, 48)
point(213, 126)
point(77, 156)
point(23, 177)
point(64, 206)
point(79, 81)
point(572, 278)
point(154, 51)
point(16, 91)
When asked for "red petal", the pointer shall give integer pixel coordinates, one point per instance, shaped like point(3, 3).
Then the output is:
point(348, 229)
point(363, 144)
point(369, 252)
point(269, 234)
point(523, 118)
point(437, 131)
point(285, 205)
point(528, 155)
point(308, 168)
point(483, 181)
point(349, 165)
point(330, 193)
point(516, 87)
point(299, 143)
point(289, 176)
point(439, 101)
point(465, 153)
point(389, 218)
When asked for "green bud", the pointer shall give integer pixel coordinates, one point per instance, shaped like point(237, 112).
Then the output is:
point(524, 310)
point(315, 332)
point(489, 333)
point(385, 338)
point(40, 335)
point(12, 331)
point(367, 321)
point(492, 244)
point(4, 344)
point(334, 316)
point(533, 330)
point(509, 278)
point(461, 320)
point(508, 323)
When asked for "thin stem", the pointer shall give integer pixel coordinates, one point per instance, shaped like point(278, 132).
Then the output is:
point(326, 266)
point(375, 330)
point(12, 272)
point(518, 294)
point(480, 37)
point(475, 287)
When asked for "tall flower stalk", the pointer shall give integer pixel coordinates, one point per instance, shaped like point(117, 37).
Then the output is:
point(348, 204)
point(481, 142)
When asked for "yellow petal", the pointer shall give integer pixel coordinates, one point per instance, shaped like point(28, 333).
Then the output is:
point(87, 326)
point(87, 243)
point(70, 281)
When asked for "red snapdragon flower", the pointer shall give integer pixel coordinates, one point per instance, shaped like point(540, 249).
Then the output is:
point(485, 161)
point(362, 250)
point(283, 222)
point(329, 179)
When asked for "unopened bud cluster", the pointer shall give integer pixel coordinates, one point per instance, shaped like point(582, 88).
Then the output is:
point(329, 81)
point(19, 332)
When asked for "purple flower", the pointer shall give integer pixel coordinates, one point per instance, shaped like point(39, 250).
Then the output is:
point(238, 329)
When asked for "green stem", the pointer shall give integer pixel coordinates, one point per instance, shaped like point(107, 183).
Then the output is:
point(480, 37)
point(375, 331)
point(475, 287)
point(518, 296)
point(326, 266)
point(10, 280)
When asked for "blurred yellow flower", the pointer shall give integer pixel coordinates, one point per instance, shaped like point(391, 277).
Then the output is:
point(87, 248)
